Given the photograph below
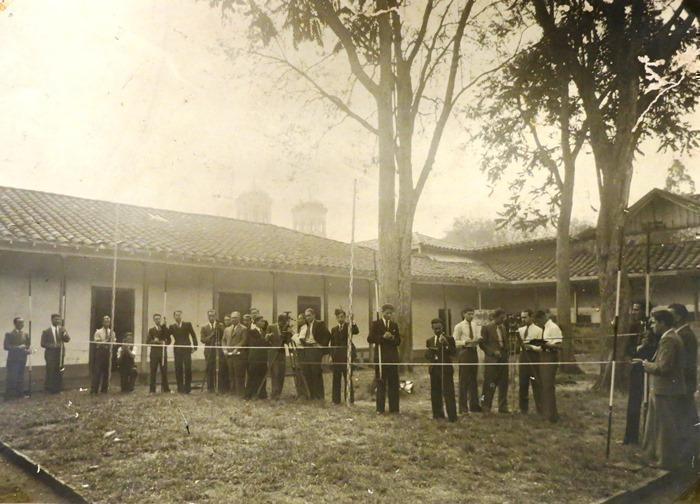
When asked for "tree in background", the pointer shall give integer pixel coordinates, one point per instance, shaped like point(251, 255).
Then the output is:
point(633, 68)
point(678, 180)
point(474, 233)
point(403, 66)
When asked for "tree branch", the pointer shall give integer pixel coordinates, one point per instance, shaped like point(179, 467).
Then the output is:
point(335, 100)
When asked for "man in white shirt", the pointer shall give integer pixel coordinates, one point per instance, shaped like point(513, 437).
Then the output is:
point(528, 370)
point(102, 361)
point(313, 336)
point(549, 357)
point(54, 340)
point(467, 337)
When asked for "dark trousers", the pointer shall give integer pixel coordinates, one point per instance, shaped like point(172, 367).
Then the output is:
point(183, 369)
point(128, 378)
point(468, 388)
point(311, 368)
point(255, 385)
point(529, 374)
point(548, 375)
point(224, 383)
point(210, 358)
point(278, 368)
point(387, 384)
point(100, 370)
point(496, 377)
point(340, 378)
point(54, 378)
point(442, 386)
point(240, 369)
point(634, 404)
point(157, 361)
point(14, 381)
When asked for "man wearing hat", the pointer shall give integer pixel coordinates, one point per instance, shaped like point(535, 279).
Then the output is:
point(384, 334)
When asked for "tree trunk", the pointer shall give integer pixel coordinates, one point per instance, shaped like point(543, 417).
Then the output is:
point(609, 239)
point(563, 259)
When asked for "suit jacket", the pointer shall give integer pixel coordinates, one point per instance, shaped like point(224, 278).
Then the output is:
point(17, 343)
point(254, 338)
point(47, 338)
point(490, 343)
point(182, 334)
point(158, 337)
point(690, 358)
point(320, 333)
point(666, 371)
point(277, 341)
point(234, 337)
point(390, 347)
point(339, 338)
point(211, 337)
point(440, 352)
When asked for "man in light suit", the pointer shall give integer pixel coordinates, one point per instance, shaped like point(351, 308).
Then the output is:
point(211, 335)
point(53, 341)
point(667, 431)
point(495, 344)
point(185, 345)
point(384, 333)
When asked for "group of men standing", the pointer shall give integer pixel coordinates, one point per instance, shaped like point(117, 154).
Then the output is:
point(536, 343)
point(665, 351)
point(18, 343)
point(242, 351)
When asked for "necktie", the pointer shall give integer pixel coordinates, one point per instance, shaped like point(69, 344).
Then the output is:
point(527, 328)
point(471, 331)
point(500, 336)
point(55, 335)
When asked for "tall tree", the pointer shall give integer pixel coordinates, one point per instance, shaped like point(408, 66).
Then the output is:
point(409, 61)
point(535, 131)
point(632, 63)
point(678, 180)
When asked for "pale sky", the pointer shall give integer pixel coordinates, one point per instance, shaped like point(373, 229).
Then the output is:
point(141, 101)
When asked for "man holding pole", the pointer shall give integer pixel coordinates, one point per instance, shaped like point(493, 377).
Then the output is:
point(384, 333)
point(467, 340)
point(280, 335)
point(211, 337)
point(340, 338)
point(441, 349)
point(159, 339)
point(53, 341)
point(495, 344)
point(642, 346)
point(103, 339)
point(17, 344)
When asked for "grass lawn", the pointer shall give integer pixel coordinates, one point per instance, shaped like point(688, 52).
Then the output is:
point(293, 451)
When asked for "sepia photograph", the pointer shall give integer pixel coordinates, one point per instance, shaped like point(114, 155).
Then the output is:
point(340, 251)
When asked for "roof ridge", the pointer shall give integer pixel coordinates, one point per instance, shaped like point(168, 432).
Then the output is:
point(178, 212)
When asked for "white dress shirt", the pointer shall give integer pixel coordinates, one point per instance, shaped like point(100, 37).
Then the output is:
point(462, 335)
point(552, 333)
point(530, 332)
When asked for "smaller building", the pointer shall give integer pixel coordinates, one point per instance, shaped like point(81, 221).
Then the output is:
point(254, 206)
point(310, 217)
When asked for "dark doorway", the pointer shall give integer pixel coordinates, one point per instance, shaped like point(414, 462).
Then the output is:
point(123, 314)
point(304, 302)
point(446, 317)
point(233, 301)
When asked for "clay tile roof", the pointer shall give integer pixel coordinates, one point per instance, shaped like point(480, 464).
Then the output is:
point(43, 219)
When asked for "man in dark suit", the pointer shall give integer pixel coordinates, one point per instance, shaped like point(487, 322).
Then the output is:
point(440, 351)
point(256, 338)
point(126, 363)
point(667, 430)
point(313, 336)
point(103, 341)
point(339, 355)
point(53, 341)
point(211, 335)
point(495, 344)
point(280, 335)
point(690, 356)
point(185, 345)
point(384, 333)
point(17, 344)
point(159, 339)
